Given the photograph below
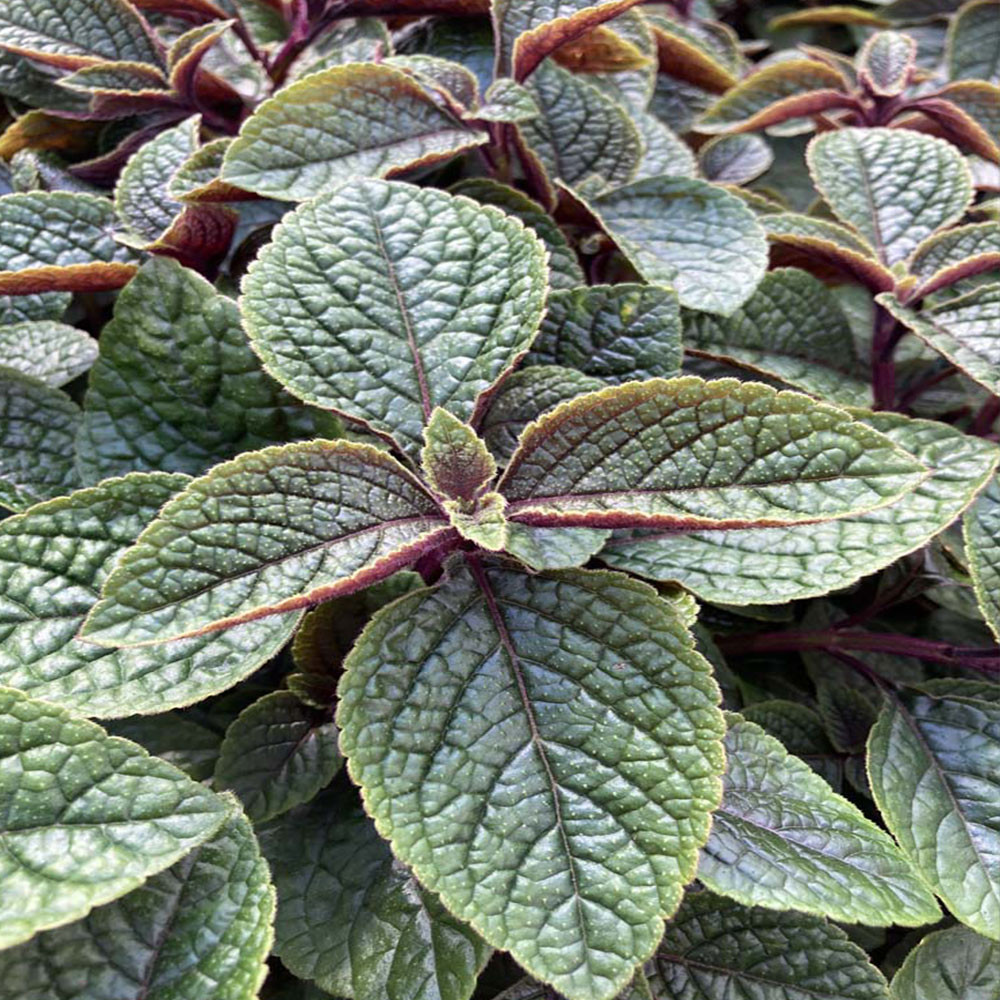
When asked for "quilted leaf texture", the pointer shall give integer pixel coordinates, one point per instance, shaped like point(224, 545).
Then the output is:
point(52, 352)
point(199, 929)
point(354, 920)
point(953, 964)
point(562, 751)
point(982, 544)
point(53, 560)
point(87, 817)
point(382, 301)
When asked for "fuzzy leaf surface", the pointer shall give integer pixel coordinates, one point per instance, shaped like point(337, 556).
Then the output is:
point(953, 964)
point(886, 62)
point(955, 254)
point(735, 159)
point(514, 696)
point(51, 352)
point(973, 45)
point(982, 546)
point(454, 460)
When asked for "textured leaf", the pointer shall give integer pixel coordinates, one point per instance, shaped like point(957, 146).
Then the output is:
point(836, 14)
point(51, 352)
point(580, 133)
point(886, 62)
point(964, 329)
point(456, 85)
point(982, 547)
point(791, 329)
point(278, 754)
point(37, 428)
point(176, 738)
point(53, 561)
point(735, 159)
point(682, 232)
point(783, 839)
point(506, 101)
point(663, 151)
point(87, 817)
point(270, 531)
point(360, 119)
point(955, 254)
point(934, 764)
point(58, 241)
point(715, 949)
point(763, 97)
point(200, 928)
point(47, 305)
point(454, 460)
point(684, 453)
point(383, 301)
point(177, 386)
point(974, 42)
point(800, 731)
point(520, 808)
point(554, 548)
point(894, 186)
point(564, 268)
point(692, 58)
point(774, 565)
point(197, 178)
point(355, 920)
point(952, 964)
point(76, 32)
point(614, 332)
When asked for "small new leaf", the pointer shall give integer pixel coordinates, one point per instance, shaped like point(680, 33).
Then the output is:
point(454, 459)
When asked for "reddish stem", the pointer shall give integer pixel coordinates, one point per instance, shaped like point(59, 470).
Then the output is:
point(887, 335)
point(982, 423)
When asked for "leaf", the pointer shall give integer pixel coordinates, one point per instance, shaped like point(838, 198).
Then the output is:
point(529, 30)
point(953, 964)
point(60, 241)
point(616, 333)
point(663, 151)
point(783, 839)
point(506, 101)
point(355, 920)
point(688, 234)
point(829, 15)
point(51, 352)
point(981, 527)
point(949, 257)
point(383, 300)
point(894, 186)
point(37, 428)
point(580, 133)
point(715, 949)
point(691, 57)
point(330, 517)
point(554, 548)
point(775, 565)
point(87, 816)
point(53, 560)
point(278, 754)
point(973, 46)
point(886, 63)
point(933, 764)
point(800, 731)
point(200, 928)
point(176, 738)
point(455, 461)
point(197, 178)
point(785, 89)
point(685, 453)
point(177, 386)
point(22, 308)
point(791, 329)
point(346, 121)
point(456, 85)
point(533, 743)
point(735, 159)
point(77, 32)
point(564, 268)
point(963, 329)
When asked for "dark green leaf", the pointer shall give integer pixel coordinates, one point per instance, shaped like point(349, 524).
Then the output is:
point(952, 964)
point(982, 546)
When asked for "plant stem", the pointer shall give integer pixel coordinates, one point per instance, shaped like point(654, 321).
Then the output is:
point(982, 423)
point(887, 335)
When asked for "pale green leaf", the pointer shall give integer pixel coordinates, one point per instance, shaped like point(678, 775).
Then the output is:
point(955, 254)
point(51, 352)
point(483, 521)
point(361, 119)
point(982, 547)
point(384, 300)
point(554, 548)
point(886, 62)
point(521, 807)
point(735, 159)
point(87, 817)
point(973, 45)
point(506, 101)
point(952, 964)
point(352, 40)
point(456, 85)
point(663, 151)
point(47, 305)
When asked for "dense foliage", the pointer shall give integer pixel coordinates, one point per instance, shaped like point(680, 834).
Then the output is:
point(499, 500)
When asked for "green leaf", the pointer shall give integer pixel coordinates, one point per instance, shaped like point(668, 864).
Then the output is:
point(973, 46)
point(87, 817)
point(663, 151)
point(278, 754)
point(452, 82)
point(955, 254)
point(688, 234)
point(800, 731)
point(886, 62)
point(354, 40)
point(554, 548)
point(963, 329)
point(38, 425)
point(952, 964)
point(347, 121)
point(934, 764)
point(53, 560)
point(616, 333)
point(270, 531)
point(520, 807)
point(77, 32)
point(982, 546)
point(484, 521)
point(454, 460)
point(783, 839)
point(685, 453)
point(506, 101)
point(775, 565)
point(715, 949)
point(200, 928)
point(383, 301)
point(179, 740)
point(51, 352)
point(894, 186)
point(24, 308)
point(355, 920)
point(60, 241)
point(580, 133)
point(564, 268)
point(177, 386)
point(790, 329)
point(735, 159)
